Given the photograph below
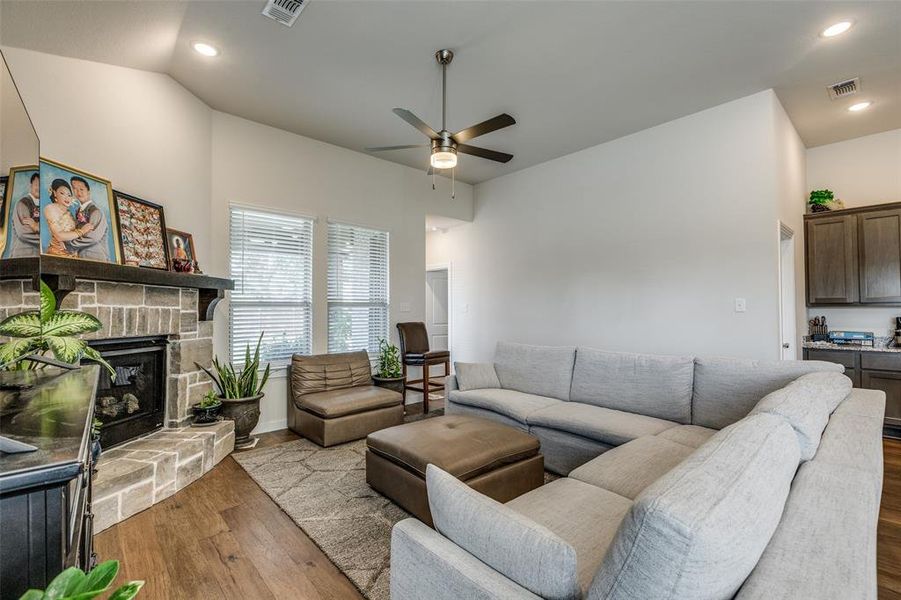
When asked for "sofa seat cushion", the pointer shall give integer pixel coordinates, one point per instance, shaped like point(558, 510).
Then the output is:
point(806, 404)
point(726, 389)
point(463, 446)
point(628, 469)
point(540, 370)
point(825, 546)
point(584, 516)
point(698, 531)
point(348, 401)
point(693, 436)
point(510, 543)
point(605, 425)
point(510, 403)
point(646, 384)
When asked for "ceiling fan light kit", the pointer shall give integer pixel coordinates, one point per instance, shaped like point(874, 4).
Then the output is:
point(444, 145)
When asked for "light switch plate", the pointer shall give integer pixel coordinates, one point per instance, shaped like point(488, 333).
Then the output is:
point(741, 305)
point(404, 307)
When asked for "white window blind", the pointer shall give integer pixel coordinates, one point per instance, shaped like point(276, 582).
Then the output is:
point(357, 288)
point(271, 263)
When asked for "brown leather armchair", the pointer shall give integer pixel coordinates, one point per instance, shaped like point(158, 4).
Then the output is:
point(414, 352)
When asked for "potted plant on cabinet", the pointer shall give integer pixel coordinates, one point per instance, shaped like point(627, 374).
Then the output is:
point(240, 393)
point(390, 373)
point(206, 412)
point(820, 199)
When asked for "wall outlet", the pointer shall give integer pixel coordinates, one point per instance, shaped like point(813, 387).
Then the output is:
point(404, 307)
point(741, 305)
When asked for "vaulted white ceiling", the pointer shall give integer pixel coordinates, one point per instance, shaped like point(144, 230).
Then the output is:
point(573, 74)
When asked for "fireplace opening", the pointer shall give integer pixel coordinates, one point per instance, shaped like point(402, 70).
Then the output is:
point(135, 403)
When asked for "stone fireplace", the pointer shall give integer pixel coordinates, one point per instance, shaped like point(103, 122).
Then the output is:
point(143, 324)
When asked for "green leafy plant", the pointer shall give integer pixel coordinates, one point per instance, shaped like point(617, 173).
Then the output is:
point(48, 331)
point(209, 400)
point(389, 360)
point(820, 197)
point(96, 424)
point(75, 584)
point(232, 384)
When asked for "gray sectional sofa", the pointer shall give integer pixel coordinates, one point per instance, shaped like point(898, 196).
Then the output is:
point(684, 478)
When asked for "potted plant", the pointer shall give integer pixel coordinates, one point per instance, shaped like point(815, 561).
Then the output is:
point(207, 410)
point(37, 333)
point(75, 584)
point(240, 392)
point(819, 200)
point(390, 373)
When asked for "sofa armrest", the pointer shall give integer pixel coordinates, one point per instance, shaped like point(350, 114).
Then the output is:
point(450, 384)
point(425, 564)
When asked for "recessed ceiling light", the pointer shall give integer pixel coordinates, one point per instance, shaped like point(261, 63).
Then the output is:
point(860, 106)
point(837, 29)
point(206, 49)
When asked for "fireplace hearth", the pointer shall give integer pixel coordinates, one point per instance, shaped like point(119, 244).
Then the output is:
point(135, 403)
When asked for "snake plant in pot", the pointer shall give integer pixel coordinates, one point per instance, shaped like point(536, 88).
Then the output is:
point(48, 333)
point(240, 392)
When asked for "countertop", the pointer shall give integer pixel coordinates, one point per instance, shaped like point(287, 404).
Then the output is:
point(881, 344)
point(53, 414)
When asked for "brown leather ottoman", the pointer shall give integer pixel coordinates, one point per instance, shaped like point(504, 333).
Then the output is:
point(497, 460)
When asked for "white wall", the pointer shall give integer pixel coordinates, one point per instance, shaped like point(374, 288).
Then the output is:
point(862, 172)
point(639, 244)
point(18, 141)
point(156, 140)
point(280, 171)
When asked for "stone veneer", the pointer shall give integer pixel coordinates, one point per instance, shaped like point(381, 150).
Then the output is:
point(15, 297)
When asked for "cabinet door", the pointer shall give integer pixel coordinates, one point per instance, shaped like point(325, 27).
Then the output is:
point(847, 358)
point(879, 236)
point(832, 260)
point(890, 383)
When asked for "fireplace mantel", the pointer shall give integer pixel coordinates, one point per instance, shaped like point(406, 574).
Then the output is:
point(61, 275)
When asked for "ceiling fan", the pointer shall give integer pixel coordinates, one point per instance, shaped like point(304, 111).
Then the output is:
point(444, 144)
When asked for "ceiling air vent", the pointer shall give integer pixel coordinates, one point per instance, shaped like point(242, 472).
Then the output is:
point(844, 88)
point(284, 11)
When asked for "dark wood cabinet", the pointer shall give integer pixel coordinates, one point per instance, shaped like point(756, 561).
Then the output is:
point(832, 260)
point(854, 256)
point(879, 235)
point(890, 383)
point(849, 360)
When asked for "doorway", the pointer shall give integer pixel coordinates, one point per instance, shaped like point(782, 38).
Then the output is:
point(436, 308)
point(788, 332)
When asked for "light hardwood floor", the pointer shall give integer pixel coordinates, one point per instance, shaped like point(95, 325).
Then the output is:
point(223, 538)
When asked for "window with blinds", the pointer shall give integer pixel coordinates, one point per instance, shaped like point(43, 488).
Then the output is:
point(271, 263)
point(357, 288)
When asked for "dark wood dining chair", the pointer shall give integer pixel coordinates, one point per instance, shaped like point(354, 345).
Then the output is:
point(415, 352)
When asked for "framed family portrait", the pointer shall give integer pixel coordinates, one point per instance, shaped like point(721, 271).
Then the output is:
point(78, 215)
point(181, 251)
point(20, 222)
point(142, 232)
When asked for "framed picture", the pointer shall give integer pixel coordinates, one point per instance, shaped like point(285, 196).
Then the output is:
point(78, 215)
point(20, 221)
point(181, 250)
point(142, 232)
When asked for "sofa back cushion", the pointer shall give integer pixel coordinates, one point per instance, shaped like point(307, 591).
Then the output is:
point(540, 370)
point(698, 531)
point(726, 389)
point(647, 384)
point(806, 404)
point(510, 543)
point(322, 372)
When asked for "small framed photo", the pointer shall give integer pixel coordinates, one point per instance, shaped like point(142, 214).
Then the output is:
point(181, 251)
point(20, 217)
point(142, 232)
point(78, 215)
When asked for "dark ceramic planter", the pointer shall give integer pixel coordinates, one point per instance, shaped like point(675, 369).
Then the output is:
point(245, 412)
point(204, 415)
point(815, 208)
point(392, 383)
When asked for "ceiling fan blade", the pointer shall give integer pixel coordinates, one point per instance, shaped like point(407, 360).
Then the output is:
point(483, 153)
point(492, 124)
point(415, 122)
point(383, 148)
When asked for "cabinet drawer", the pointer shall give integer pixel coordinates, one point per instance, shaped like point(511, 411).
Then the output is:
point(842, 357)
point(883, 361)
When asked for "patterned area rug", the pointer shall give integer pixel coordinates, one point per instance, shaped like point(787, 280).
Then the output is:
point(324, 491)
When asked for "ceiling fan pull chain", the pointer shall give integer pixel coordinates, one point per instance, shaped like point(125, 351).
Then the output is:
point(433, 180)
point(453, 183)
